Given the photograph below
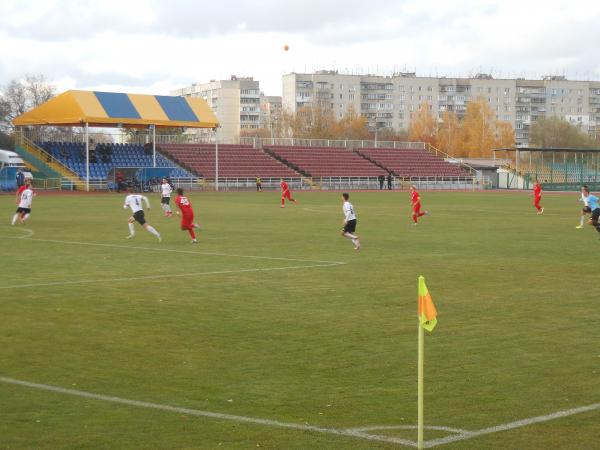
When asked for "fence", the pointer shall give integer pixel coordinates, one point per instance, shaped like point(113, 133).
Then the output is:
point(41, 134)
point(345, 143)
point(301, 183)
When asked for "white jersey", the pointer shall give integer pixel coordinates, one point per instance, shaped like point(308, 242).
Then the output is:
point(585, 200)
point(166, 189)
point(348, 210)
point(26, 199)
point(134, 201)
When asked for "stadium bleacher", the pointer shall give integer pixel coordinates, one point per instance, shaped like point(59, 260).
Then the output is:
point(105, 157)
point(235, 161)
point(326, 161)
point(411, 162)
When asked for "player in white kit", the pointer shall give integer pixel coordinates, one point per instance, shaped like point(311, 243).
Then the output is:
point(24, 206)
point(166, 190)
point(586, 207)
point(349, 222)
point(134, 201)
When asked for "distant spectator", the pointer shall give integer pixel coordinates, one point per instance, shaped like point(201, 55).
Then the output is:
point(148, 148)
point(20, 178)
point(381, 179)
point(389, 181)
point(120, 180)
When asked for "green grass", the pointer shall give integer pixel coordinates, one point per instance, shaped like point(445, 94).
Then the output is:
point(517, 336)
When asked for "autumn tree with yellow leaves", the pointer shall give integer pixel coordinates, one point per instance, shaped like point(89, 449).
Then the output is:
point(474, 136)
point(423, 125)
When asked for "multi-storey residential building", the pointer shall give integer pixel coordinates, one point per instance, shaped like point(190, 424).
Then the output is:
point(236, 103)
point(270, 111)
point(389, 101)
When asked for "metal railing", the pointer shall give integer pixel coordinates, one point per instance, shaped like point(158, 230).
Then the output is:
point(453, 159)
point(272, 184)
point(208, 137)
point(42, 154)
point(344, 143)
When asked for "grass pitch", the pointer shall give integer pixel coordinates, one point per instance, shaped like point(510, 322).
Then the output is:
point(293, 335)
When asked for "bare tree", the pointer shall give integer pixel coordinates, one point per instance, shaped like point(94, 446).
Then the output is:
point(21, 95)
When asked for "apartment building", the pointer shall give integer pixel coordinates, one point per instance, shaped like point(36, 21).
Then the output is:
point(235, 102)
point(389, 101)
point(270, 111)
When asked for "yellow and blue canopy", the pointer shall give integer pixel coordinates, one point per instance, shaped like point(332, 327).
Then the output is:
point(105, 109)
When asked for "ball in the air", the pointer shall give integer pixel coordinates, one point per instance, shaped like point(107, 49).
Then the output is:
point(286, 48)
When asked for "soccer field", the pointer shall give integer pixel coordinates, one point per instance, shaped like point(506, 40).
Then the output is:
point(273, 332)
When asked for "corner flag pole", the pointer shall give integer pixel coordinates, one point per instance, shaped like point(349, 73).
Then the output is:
point(420, 389)
point(427, 320)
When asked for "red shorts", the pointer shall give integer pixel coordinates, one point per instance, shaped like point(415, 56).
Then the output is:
point(417, 208)
point(286, 194)
point(187, 221)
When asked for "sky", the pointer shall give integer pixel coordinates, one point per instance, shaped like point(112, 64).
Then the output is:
point(153, 46)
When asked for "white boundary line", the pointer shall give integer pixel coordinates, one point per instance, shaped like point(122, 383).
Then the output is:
point(512, 425)
point(161, 276)
point(350, 432)
point(158, 249)
point(317, 263)
point(214, 415)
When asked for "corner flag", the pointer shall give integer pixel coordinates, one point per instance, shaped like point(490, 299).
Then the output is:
point(427, 311)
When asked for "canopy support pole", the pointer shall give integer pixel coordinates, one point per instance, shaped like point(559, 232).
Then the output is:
point(153, 145)
point(87, 157)
point(216, 158)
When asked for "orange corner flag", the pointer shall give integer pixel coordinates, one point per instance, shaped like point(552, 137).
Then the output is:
point(427, 311)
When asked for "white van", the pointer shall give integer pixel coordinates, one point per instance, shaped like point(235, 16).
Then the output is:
point(12, 159)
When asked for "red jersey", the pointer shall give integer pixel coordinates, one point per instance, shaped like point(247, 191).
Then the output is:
point(284, 187)
point(414, 197)
point(537, 190)
point(184, 204)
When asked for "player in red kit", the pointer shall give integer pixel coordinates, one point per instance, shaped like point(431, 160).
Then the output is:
point(415, 200)
point(537, 197)
point(187, 215)
point(285, 193)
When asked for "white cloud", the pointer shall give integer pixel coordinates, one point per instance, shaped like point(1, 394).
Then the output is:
point(154, 46)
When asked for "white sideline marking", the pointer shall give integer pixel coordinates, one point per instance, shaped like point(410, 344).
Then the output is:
point(158, 249)
point(512, 425)
point(360, 433)
point(154, 277)
point(214, 415)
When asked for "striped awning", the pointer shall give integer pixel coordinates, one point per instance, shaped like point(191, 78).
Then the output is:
point(106, 109)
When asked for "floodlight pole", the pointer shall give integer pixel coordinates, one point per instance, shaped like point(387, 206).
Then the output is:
point(87, 157)
point(153, 145)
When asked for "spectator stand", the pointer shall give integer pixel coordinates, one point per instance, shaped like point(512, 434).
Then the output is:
point(87, 109)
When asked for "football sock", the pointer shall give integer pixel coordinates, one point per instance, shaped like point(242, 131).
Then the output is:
point(151, 229)
point(581, 219)
point(131, 229)
point(24, 218)
point(167, 208)
point(192, 234)
point(14, 219)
